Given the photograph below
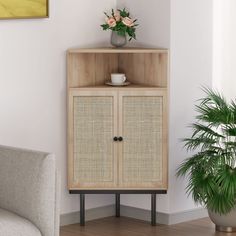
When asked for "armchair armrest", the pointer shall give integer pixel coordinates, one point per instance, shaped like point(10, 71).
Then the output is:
point(28, 187)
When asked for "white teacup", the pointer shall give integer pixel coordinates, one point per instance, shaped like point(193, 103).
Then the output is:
point(118, 78)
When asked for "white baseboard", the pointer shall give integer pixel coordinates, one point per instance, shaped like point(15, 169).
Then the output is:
point(188, 215)
point(164, 218)
point(136, 213)
point(91, 214)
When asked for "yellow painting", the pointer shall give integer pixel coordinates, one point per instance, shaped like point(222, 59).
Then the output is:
point(23, 8)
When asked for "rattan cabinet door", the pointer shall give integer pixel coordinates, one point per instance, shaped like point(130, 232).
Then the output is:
point(143, 151)
point(92, 126)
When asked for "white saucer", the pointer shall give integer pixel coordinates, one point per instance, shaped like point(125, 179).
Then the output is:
point(123, 84)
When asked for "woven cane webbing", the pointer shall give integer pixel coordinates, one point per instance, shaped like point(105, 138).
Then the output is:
point(142, 132)
point(93, 132)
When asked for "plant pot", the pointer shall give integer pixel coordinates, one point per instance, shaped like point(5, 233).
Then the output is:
point(224, 223)
point(118, 40)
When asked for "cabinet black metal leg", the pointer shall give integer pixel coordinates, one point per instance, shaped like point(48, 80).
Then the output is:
point(82, 209)
point(117, 205)
point(153, 209)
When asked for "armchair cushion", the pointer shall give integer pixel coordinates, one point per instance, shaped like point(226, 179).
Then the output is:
point(12, 225)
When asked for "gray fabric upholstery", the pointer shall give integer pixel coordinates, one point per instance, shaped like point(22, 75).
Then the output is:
point(28, 187)
point(57, 205)
point(14, 225)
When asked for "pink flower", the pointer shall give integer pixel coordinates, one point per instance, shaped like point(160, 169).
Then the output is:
point(111, 22)
point(117, 15)
point(128, 21)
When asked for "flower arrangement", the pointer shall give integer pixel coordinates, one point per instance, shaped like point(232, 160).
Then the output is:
point(121, 22)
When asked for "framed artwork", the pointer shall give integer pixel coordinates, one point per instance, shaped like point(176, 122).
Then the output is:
point(16, 9)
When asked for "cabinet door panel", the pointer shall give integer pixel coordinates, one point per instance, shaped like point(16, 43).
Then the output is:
point(93, 158)
point(142, 124)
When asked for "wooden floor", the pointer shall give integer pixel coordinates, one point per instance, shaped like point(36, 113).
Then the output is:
point(129, 227)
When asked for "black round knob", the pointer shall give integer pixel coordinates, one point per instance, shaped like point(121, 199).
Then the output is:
point(120, 139)
point(115, 139)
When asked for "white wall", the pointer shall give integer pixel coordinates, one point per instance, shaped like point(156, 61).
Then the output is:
point(224, 50)
point(153, 19)
point(33, 79)
point(191, 67)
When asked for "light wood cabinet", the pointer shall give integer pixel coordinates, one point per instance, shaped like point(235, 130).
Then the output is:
point(117, 136)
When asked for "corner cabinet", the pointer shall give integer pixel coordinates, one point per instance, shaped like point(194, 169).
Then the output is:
point(117, 136)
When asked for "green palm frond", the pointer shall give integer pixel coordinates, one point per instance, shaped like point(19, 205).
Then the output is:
point(201, 186)
point(190, 163)
point(206, 160)
point(233, 109)
point(214, 115)
point(200, 142)
point(211, 171)
point(230, 144)
point(227, 181)
point(201, 130)
point(230, 131)
point(220, 203)
point(214, 109)
point(213, 97)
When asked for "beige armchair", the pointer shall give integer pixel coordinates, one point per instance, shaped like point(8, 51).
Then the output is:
point(29, 204)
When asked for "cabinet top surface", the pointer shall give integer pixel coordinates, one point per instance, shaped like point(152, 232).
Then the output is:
point(118, 50)
point(125, 88)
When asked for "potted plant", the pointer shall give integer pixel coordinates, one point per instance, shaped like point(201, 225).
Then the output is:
point(211, 168)
point(121, 24)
